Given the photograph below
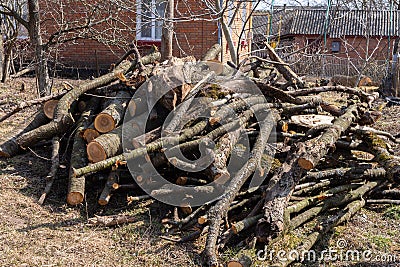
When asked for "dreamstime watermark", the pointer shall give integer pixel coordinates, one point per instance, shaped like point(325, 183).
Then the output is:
point(207, 105)
point(339, 253)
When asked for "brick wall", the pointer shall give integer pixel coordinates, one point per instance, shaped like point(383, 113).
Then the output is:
point(193, 37)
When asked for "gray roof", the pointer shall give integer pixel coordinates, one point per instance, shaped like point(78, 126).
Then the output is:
point(340, 22)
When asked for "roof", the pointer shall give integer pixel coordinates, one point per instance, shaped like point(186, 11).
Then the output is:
point(341, 22)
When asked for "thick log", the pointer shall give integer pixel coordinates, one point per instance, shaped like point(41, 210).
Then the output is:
point(151, 147)
point(379, 149)
point(282, 184)
point(63, 119)
point(212, 53)
point(30, 103)
point(113, 114)
point(105, 146)
point(49, 107)
point(318, 147)
point(76, 185)
point(220, 209)
point(110, 144)
point(10, 147)
point(90, 133)
point(218, 169)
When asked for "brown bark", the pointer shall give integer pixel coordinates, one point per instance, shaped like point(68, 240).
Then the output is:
point(303, 156)
point(318, 147)
point(220, 209)
point(113, 114)
point(30, 103)
point(10, 147)
point(76, 185)
point(63, 120)
point(49, 107)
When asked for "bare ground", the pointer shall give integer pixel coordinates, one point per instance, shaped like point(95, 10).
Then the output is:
point(57, 235)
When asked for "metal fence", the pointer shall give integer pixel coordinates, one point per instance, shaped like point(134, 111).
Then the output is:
point(327, 65)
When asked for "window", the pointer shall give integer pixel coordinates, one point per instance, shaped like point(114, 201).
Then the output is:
point(335, 46)
point(150, 14)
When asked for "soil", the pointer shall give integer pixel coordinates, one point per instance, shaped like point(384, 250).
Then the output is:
point(56, 234)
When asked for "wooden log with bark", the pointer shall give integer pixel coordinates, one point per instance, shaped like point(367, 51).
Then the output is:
point(113, 114)
point(302, 170)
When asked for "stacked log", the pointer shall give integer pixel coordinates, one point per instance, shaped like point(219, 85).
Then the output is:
point(294, 153)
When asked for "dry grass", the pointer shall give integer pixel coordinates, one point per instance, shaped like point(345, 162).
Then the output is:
point(57, 235)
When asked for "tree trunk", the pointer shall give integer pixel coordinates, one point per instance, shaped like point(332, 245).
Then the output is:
point(10, 147)
point(1, 51)
point(113, 114)
point(42, 71)
point(167, 31)
point(76, 185)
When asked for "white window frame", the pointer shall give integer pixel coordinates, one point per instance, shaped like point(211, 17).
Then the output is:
point(153, 22)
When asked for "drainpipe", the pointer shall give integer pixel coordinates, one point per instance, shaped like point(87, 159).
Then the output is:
point(270, 20)
point(221, 2)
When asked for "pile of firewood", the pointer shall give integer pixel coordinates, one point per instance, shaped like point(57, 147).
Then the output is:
point(312, 155)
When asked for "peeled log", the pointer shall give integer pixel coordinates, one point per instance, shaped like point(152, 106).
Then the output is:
point(49, 107)
point(10, 147)
point(113, 114)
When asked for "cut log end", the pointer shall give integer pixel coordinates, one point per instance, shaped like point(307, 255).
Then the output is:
point(104, 201)
point(74, 198)
point(90, 134)
point(305, 164)
point(4, 154)
point(49, 107)
point(104, 123)
point(95, 152)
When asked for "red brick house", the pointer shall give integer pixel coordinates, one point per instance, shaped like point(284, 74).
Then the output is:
point(338, 34)
point(196, 30)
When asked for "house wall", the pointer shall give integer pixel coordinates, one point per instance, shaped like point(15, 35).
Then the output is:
point(192, 37)
point(355, 47)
